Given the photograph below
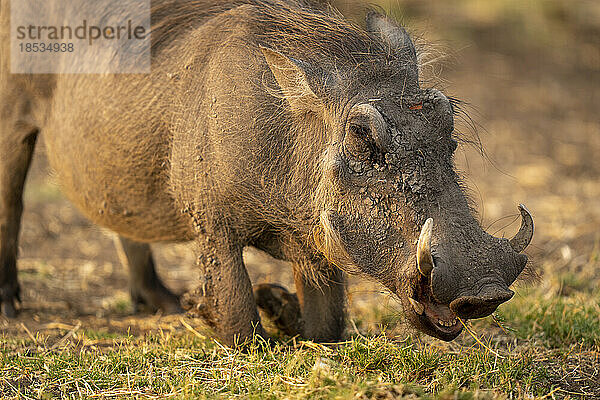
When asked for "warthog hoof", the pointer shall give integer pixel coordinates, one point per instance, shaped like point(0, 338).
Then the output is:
point(9, 295)
point(280, 306)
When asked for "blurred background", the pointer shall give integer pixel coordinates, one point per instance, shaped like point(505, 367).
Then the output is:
point(529, 72)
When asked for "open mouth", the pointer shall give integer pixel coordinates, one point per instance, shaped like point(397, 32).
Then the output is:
point(435, 318)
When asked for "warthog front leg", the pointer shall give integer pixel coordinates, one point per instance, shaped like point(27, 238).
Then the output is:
point(224, 297)
point(17, 143)
point(146, 286)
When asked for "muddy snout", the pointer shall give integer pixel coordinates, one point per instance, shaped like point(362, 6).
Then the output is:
point(474, 290)
point(470, 272)
point(482, 305)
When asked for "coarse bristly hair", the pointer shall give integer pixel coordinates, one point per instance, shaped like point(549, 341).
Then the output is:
point(311, 33)
point(307, 30)
point(318, 36)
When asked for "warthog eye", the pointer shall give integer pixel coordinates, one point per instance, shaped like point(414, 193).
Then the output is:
point(418, 106)
point(358, 142)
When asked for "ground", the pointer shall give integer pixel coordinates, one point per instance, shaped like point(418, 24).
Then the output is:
point(531, 71)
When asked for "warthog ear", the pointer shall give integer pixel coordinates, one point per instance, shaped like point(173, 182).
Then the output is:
point(292, 77)
point(393, 33)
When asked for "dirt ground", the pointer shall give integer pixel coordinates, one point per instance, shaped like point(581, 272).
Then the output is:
point(530, 70)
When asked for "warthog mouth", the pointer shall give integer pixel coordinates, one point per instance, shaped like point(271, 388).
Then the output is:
point(432, 317)
point(442, 320)
point(435, 319)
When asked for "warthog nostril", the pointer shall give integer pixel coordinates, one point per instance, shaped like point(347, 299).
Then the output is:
point(471, 307)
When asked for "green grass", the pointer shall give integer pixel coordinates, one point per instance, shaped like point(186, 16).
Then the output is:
point(539, 334)
point(183, 366)
point(558, 321)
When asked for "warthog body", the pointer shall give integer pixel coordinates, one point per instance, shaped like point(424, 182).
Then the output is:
point(270, 124)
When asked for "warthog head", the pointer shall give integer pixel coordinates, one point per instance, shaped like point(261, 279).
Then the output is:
point(389, 200)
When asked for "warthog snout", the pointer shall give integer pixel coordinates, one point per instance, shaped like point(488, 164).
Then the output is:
point(464, 275)
point(482, 305)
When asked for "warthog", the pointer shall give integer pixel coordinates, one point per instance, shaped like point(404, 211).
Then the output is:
point(274, 124)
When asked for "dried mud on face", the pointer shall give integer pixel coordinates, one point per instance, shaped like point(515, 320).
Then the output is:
point(535, 96)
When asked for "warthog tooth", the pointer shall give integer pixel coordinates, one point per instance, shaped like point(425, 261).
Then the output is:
point(446, 323)
point(522, 239)
point(417, 307)
point(424, 257)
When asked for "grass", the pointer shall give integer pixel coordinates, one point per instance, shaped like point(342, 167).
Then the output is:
point(557, 321)
point(182, 367)
point(184, 363)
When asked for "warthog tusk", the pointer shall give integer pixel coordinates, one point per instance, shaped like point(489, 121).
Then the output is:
point(417, 307)
point(522, 239)
point(424, 257)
